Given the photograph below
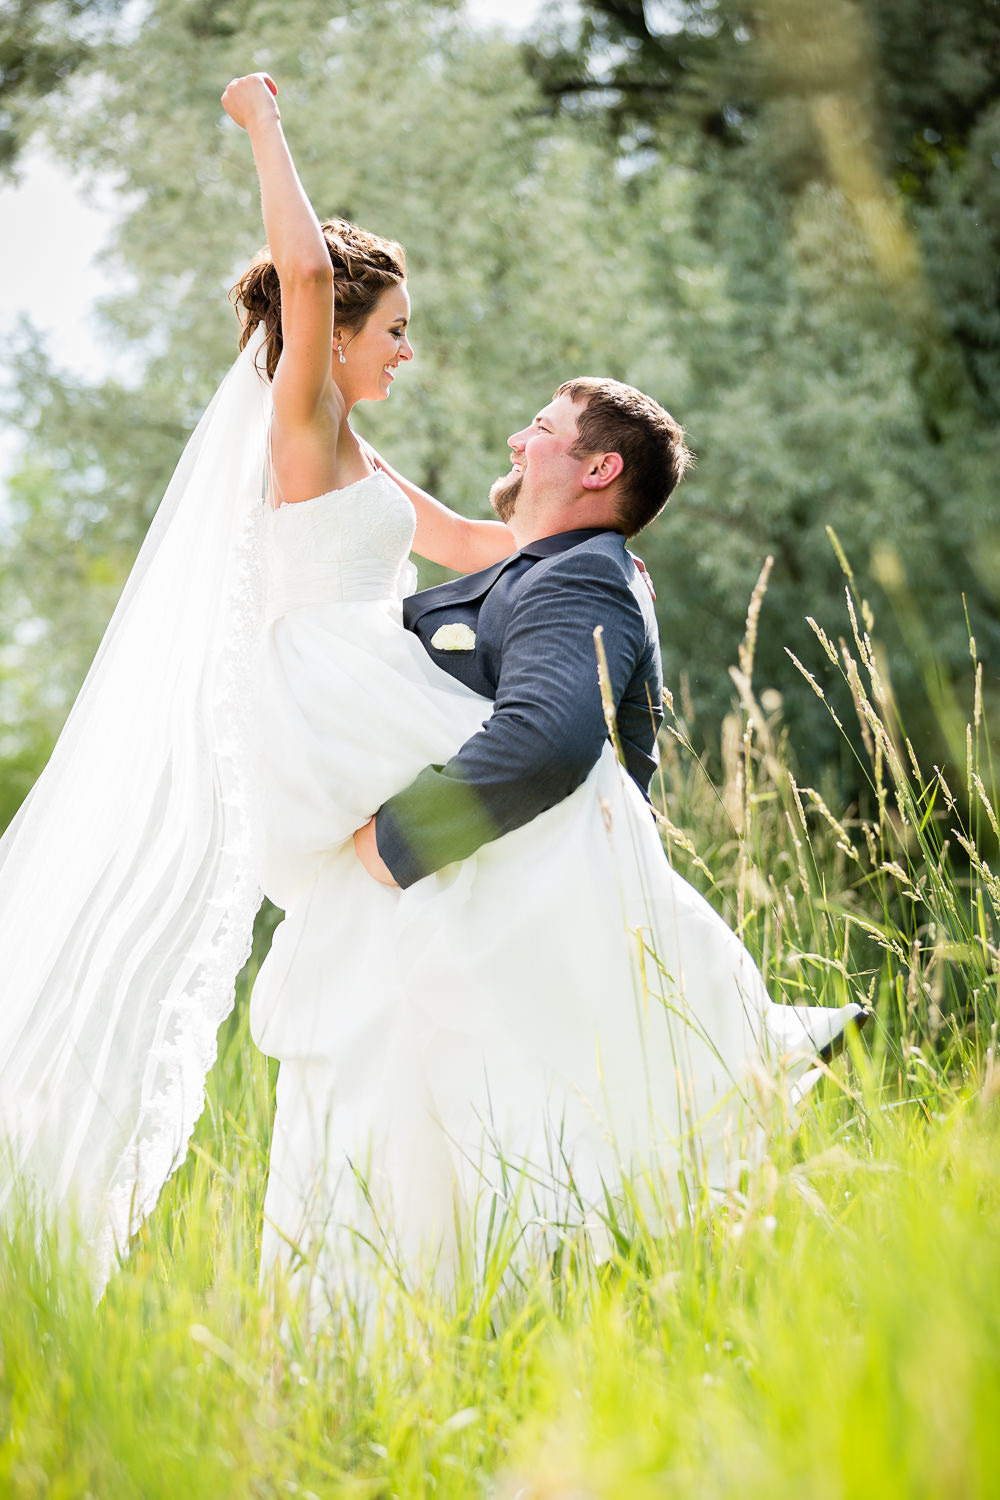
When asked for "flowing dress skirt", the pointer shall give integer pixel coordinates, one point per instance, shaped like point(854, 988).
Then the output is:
point(525, 1029)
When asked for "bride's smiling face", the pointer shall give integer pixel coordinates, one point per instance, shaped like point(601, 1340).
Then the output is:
point(372, 354)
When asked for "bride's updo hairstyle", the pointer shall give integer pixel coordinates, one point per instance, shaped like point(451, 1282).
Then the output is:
point(364, 266)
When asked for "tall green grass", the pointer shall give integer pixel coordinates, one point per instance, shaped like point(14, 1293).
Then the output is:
point(832, 1329)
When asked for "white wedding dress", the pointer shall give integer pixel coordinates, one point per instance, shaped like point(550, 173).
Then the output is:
point(532, 1024)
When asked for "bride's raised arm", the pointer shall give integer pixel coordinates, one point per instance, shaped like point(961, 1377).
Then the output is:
point(313, 449)
point(309, 414)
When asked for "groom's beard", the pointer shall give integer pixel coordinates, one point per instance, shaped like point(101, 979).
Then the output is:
point(503, 495)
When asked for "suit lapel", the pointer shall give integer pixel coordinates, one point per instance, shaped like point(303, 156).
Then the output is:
point(475, 585)
point(457, 591)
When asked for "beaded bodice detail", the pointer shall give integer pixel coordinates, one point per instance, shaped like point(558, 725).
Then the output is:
point(347, 546)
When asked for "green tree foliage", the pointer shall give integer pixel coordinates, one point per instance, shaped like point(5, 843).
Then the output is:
point(42, 43)
point(788, 236)
point(846, 373)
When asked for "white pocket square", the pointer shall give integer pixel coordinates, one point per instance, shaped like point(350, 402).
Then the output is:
point(455, 637)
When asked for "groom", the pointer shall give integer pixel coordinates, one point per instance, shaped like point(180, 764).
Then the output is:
point(594, 467)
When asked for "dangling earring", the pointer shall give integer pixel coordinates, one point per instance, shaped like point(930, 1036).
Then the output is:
point(340, 354)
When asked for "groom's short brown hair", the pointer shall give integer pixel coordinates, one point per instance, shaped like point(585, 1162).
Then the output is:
point(617, 418)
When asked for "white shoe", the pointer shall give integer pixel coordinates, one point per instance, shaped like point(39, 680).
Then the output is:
point(812, 1030)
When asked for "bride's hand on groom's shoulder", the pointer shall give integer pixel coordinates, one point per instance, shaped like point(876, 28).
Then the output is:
point(644, 574)
point(367, 851)
point(251, 98)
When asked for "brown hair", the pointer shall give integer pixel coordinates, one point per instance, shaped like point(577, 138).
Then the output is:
point(364, 266)
point(619, 419)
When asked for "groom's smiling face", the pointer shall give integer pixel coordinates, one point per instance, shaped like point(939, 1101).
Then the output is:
point(543, 464)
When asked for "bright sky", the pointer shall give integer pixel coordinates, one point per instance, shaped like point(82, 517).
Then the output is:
point(52, 233)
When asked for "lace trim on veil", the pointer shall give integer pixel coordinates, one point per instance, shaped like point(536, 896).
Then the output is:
point(127, 881)
point(174, 1093)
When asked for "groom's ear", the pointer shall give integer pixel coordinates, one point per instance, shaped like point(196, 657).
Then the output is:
point(603, 469)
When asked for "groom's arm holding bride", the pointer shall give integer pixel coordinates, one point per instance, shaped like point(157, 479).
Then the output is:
point(547, 729)
point(596, 464)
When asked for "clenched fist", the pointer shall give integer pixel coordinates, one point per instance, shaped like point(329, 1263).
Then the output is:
point(250, 99)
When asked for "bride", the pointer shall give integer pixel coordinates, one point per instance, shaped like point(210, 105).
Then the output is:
point(529, 1025)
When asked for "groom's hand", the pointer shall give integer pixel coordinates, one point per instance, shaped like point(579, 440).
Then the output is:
point(367, 851)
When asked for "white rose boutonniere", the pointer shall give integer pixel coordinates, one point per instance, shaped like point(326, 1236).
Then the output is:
point(455, 637)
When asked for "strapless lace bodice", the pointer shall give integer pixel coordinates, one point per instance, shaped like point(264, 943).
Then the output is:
point(343, 547)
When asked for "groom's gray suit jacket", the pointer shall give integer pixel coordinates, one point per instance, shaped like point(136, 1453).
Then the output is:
point(533, 615)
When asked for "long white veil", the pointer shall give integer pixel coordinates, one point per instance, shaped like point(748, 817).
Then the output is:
point(127, 884)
